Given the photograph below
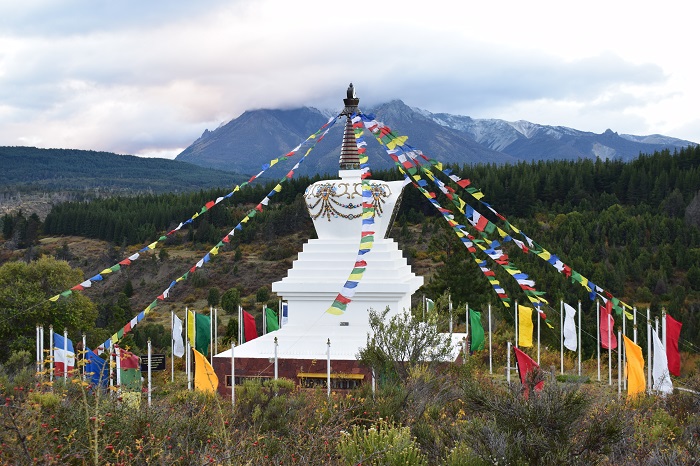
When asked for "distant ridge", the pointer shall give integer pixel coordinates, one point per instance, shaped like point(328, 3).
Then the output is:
point(245, 143)
point(30, 168)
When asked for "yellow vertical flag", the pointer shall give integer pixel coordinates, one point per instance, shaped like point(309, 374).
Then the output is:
point(525, 326)
point(191, 332)
point(205, 378)
point(635, 368)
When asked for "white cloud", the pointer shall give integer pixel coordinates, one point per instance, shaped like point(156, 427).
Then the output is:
point(149, 77)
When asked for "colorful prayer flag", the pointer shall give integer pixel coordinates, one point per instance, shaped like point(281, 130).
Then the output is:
point(205, 378)
point(659, 372)
point(526, 365)
point(178, 344)
point(635, 368)
point(63, 358)
point(250, 332)
point(130, 371)
point(272, 320)
point(607, 330)
point(570, 341)
point(673, 333)
point(525, 326)
point(477, 331)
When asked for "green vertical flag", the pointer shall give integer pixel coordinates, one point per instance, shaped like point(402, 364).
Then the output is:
point(202, 325)
point(272, 320)
point(477, 330)
point(429, 304)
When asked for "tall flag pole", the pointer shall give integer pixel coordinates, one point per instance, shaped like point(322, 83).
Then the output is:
point(634, 334)
point(276, 362)
point(609, 350)
point(233, 375)
point(516, 324)
point(538, 341)
point(580, 343)
point(561, 336)
point(211, 335)
point(240, 324)
point(65, 354)
point(649, 349)
point(216, 330)
point(149, 373)
point(172, 346)
point(490, 346)
point(41, 349)
point(328, 367)
point(51, 353)
point(38, 352)
point(597, 333)
point(264, 329)
point(508, 364)
point(83, 357)
point(466, 330)
point(663, 327)
point(624, 353)
point(619, 364)
point(449, 297)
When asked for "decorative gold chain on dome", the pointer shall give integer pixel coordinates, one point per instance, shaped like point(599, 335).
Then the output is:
point(326, 193)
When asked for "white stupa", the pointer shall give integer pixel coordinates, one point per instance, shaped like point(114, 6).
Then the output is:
point(321, 270)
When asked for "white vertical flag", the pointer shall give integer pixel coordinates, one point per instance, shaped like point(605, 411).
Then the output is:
point(178, 344)
point(570, 328)
point(662, 378)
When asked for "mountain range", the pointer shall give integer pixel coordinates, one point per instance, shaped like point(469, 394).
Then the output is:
point(245, 143)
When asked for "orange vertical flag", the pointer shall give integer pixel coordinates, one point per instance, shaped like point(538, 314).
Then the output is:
point(205, 378)
point(635, 368)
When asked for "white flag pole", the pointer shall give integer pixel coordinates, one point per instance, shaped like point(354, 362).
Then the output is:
point(656, 319)
point(490, 349)
point(508, 365)
point(516, 324)
point(149, 373)
point(51, 353)
point(279, 313)
point(233, 375)
point(561, 335)
point(449, 297)
point(634, 310)
point(374, 384)
point(619, 362)
point(663, 326)
point(597, 333)
point(276, 363)
point(264, 315)
point(38, 352)
point(65, 354)
point(172, 346)
point(624, 354)
point(424, 304)
point(538, 338)
point(328, 367)
point(216, 331)
point(610, 350)
point(240, 324)
point(41, 349)
point(649, 350)
point(84, 357)
point(118, 358)
point(211, 335)
point(580, 343)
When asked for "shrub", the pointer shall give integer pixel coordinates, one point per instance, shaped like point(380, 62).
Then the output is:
point(383, 444)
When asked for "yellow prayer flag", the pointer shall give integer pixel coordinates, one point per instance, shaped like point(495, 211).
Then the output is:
point(525, 326)
point(55, 298)
point(190, 328)
point(545, 255)
point(635, 368)
point(278, 188)
point(439, 166)
point(214, 251)
point(153, 244)
point(205, 378)
point(501, 233)
point(106, 271)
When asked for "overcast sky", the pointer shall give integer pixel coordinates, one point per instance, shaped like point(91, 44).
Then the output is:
point(147, 77)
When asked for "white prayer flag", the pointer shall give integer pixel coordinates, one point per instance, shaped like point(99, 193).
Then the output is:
point(570, 341)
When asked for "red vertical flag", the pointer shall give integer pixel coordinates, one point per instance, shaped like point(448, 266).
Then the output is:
point(525, 365)
point(607, 324)
point(673, 333)
point(250, 332)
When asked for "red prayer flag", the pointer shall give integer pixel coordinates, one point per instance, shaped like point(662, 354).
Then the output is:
point(249, 330)
point(607, 324)
point(673, 333)
point(128, 360)
point(525, 365)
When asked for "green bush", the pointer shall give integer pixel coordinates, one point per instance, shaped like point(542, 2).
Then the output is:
point(383, 444)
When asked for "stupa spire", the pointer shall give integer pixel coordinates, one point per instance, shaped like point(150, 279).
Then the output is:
point(349, 158)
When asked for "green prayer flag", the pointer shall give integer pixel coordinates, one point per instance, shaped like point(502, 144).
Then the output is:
point(272, 320)
point(202, 325)
point(477, 332)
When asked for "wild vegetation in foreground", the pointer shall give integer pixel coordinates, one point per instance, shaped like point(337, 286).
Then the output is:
point(429, 414)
